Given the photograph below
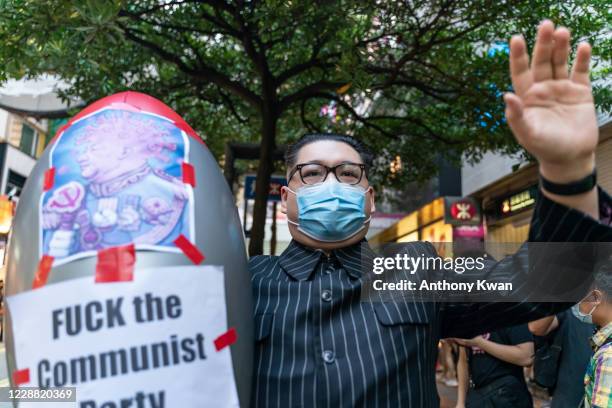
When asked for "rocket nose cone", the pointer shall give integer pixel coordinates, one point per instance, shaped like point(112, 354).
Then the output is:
point(134, 101)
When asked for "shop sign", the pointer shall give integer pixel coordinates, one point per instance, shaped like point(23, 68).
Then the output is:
point(517, 202)
point(462, 211)
point(274, 193)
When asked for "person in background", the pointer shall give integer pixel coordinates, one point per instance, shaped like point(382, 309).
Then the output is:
point(447, 360)
point(493, 364)
point(596, 308)
point(574, 355)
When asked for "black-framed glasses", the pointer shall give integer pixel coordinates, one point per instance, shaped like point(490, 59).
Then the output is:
point(314, 173)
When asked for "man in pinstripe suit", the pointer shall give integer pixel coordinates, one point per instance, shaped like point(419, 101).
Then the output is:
point(318, 344)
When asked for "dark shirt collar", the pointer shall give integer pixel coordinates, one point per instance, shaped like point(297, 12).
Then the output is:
point(300, 261)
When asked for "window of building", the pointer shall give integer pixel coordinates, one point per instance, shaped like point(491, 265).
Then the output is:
point(14, 185)
point(27, 143)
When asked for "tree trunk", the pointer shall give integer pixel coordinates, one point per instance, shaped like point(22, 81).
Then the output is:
point(262, 185)
point(273, 231)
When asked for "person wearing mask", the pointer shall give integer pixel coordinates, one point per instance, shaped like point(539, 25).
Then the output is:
point(491, 369)
point(318, 344)
point(596, 308)
point(573, 335)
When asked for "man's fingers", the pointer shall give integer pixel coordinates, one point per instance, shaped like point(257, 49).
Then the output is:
point(541, 65)
point(580, 71)
point(560, 53)
point(514, 115)
point(519, 65)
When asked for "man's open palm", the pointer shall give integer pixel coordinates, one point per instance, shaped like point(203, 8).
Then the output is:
point(552, 113)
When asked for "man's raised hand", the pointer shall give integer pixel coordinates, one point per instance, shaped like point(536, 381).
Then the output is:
point(551, 112)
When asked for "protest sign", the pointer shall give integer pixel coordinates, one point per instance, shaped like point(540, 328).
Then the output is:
point(160, 340)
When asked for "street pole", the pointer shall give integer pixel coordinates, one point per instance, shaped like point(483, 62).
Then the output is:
point(273, 230)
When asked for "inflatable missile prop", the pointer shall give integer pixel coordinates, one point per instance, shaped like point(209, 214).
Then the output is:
point(127, 280)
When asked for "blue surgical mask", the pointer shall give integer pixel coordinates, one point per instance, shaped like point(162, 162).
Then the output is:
point(330, 212)
point(584, 318)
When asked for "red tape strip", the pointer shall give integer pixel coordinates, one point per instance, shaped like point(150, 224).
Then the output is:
point(191, 251)
point(116, 264)
point(21, 376)
point(188, 174)
point(42, 274)
point(49, 179)
point(226, 339)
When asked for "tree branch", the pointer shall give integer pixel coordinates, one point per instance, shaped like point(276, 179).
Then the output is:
point(203, 72)
point(307, 123)
point(422, 48)
point(307, 92)
point(230, 104)
point(312, 62)
point(440, 94)
point(219, 22)
point(299, 68)
point(161, 6)
point(367, 121)
point(170, 26)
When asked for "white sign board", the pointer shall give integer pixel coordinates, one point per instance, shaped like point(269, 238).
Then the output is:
point(144, 343)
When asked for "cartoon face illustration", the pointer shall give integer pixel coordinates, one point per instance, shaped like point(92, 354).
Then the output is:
point(118, 182)
point(117, 144)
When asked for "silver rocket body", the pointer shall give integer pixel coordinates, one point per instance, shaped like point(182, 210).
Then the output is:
point(218, 235)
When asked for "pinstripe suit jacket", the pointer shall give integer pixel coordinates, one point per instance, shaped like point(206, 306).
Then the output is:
point(319, 345)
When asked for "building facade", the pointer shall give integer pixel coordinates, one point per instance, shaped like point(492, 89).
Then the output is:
point(22, 141)
point(505, 192)
point(507, 202)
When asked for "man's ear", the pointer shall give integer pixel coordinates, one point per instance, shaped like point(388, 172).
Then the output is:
point(284, 192)
point(372, 200)
point(598, 296)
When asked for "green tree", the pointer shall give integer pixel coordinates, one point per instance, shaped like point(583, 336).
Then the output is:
point(419, 79)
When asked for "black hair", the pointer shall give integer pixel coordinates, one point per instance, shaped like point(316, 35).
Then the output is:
point(360, 147)
point(603, 277)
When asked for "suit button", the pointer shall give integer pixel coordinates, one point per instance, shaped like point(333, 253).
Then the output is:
point(328, 356)
point(329, 270)
point(326, 295)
